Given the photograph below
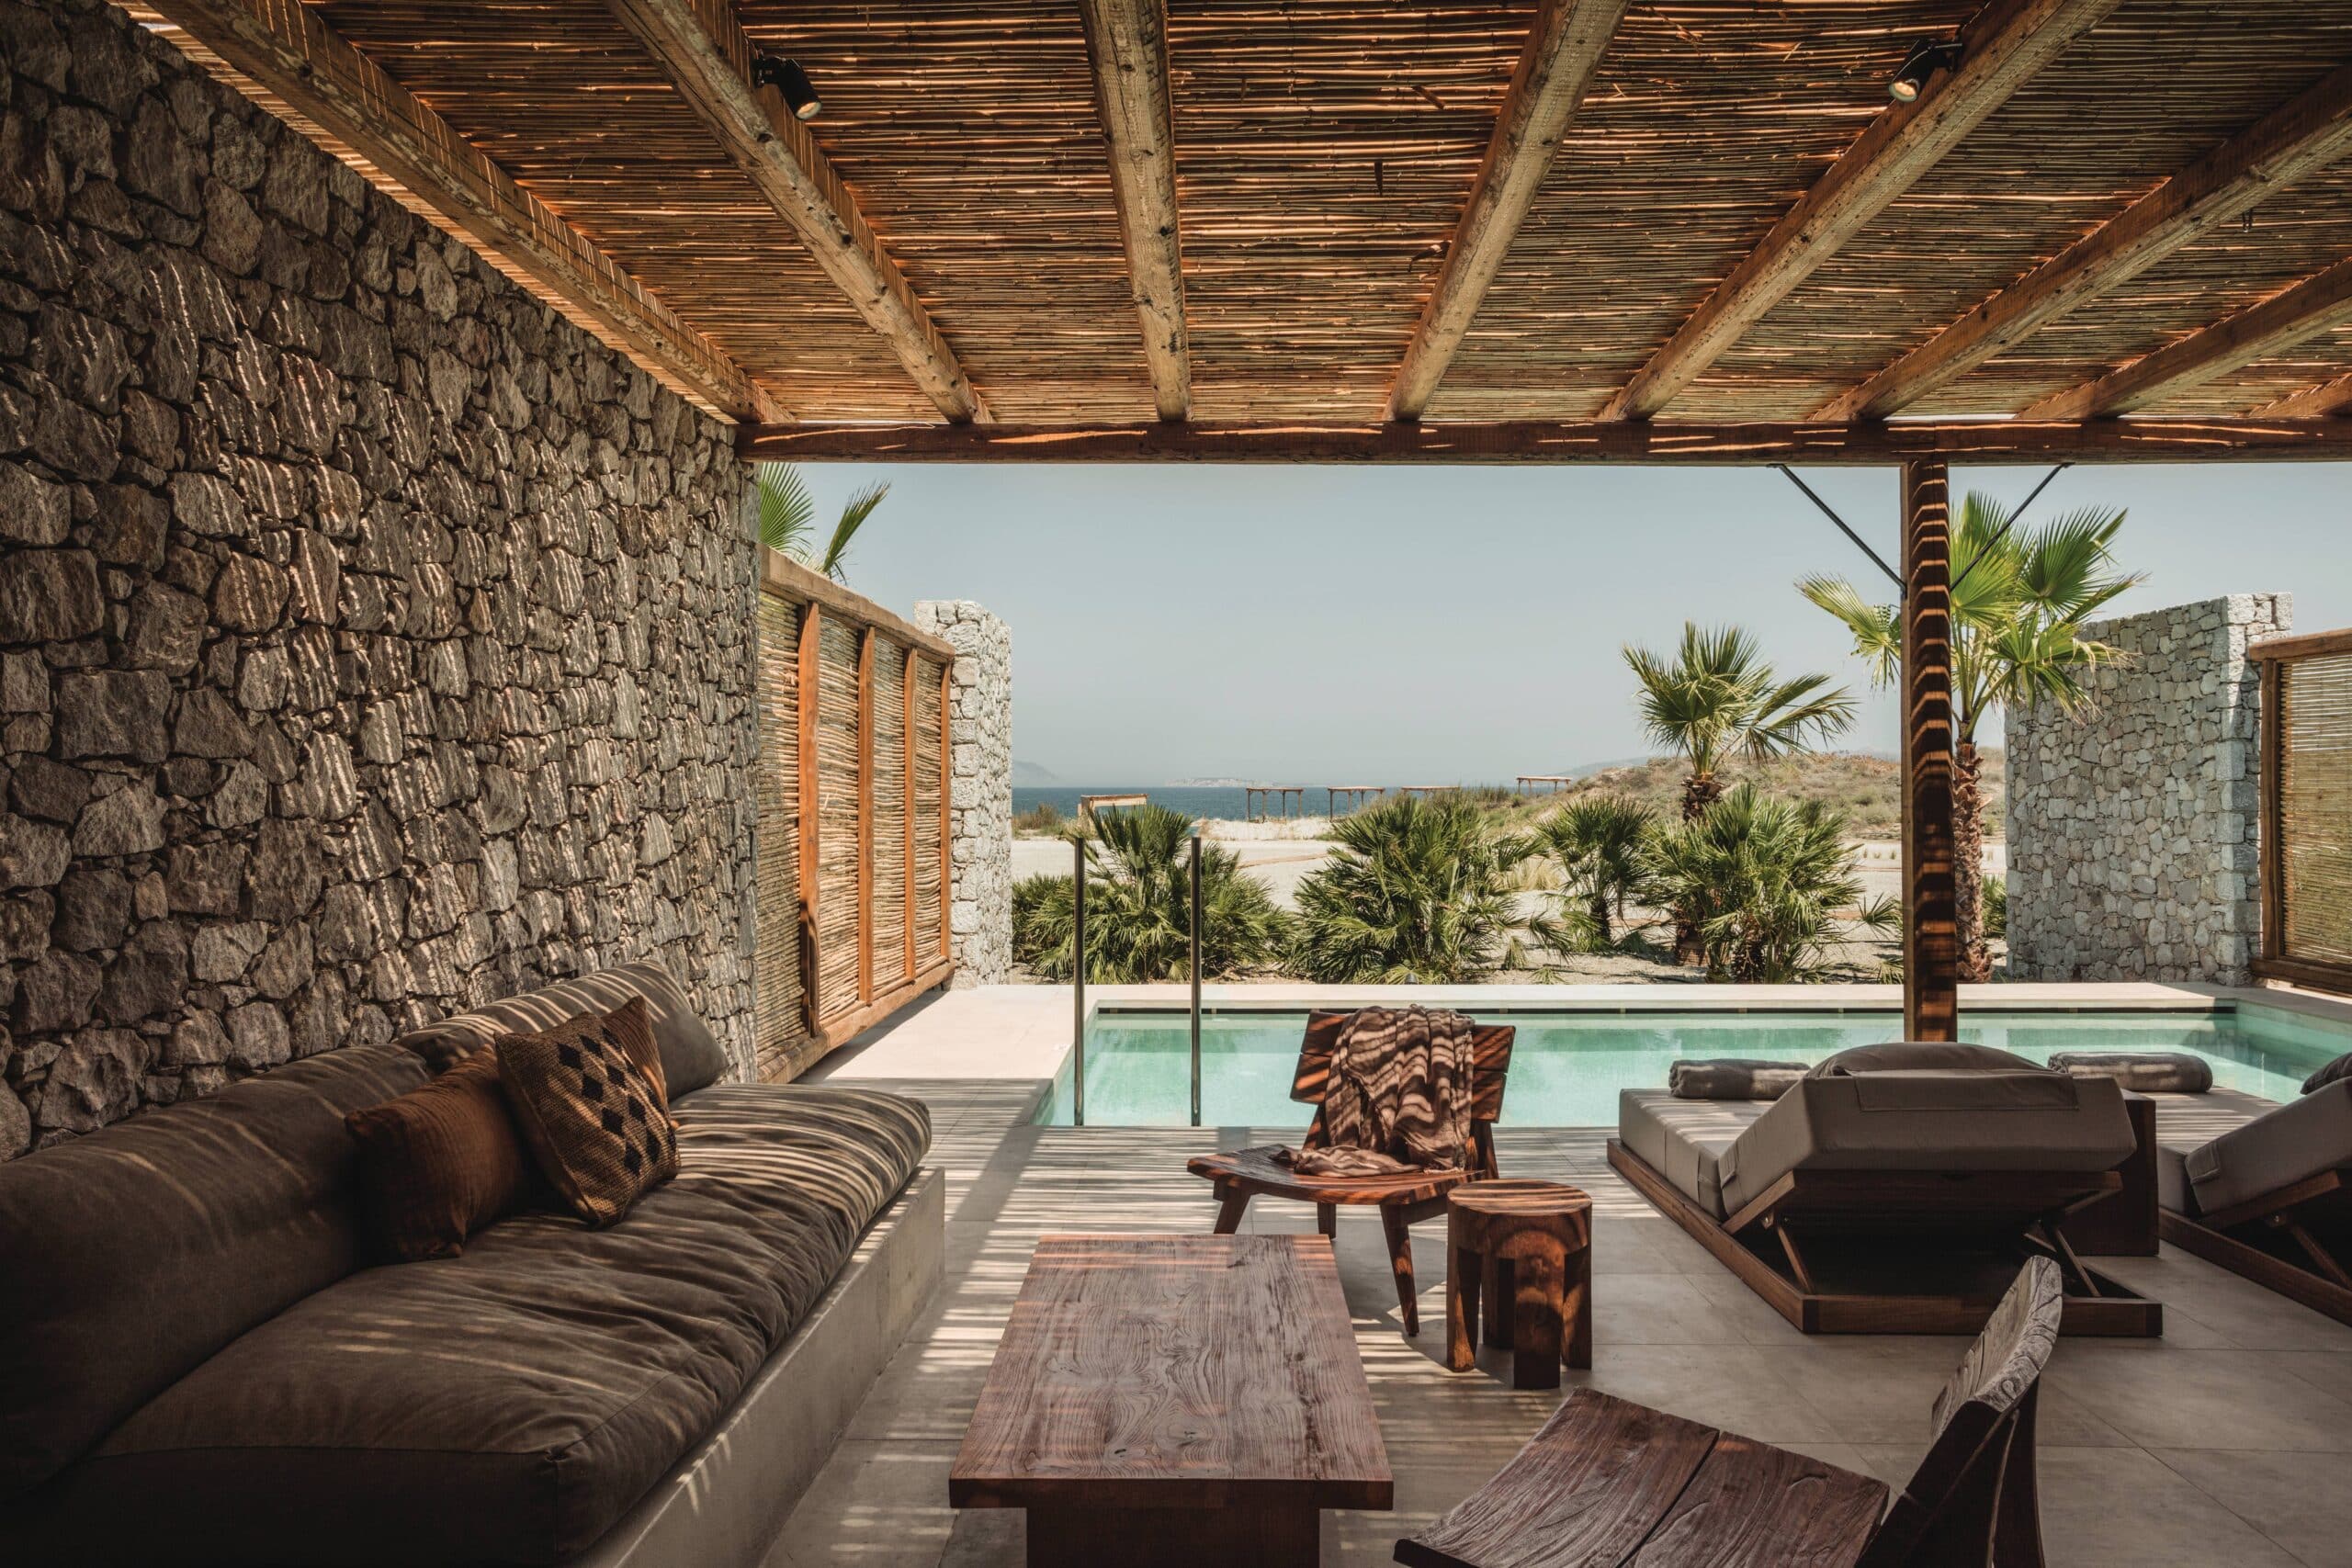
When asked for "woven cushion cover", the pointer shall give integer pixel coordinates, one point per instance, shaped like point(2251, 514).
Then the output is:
point(690, 1057)
point(130, 1255)
point(510, 1404)
point(589, 1101)
point(438, 1163)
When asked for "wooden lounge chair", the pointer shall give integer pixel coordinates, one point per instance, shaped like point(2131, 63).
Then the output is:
point(1898, 1196)
point(1404, 1200)
point(2262, 1189)
point(1608, 1482)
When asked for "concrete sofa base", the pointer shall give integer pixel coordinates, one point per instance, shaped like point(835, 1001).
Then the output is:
point(728, 1500)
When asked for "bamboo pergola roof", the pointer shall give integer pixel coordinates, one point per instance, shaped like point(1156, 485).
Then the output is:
point(1403, 228)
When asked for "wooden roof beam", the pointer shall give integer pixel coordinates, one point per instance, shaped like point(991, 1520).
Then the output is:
point(2336, 397)
point(2008, 42)
point(703, 51)
point(1584, 441)
point(280, 54)
point(1127, 42)
point(1555, 68)
point(2291, 142)
point(2311, 306)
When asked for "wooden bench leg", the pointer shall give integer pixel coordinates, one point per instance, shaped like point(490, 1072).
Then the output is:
point(1400, 1261)
point(1576, 1309)
point(1232, 1202)
point(1326, 1219)
point(1462, 1270)
point(1535, 1318)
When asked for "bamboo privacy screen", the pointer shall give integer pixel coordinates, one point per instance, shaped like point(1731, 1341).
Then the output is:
point(853, 885)
point(2307, 809)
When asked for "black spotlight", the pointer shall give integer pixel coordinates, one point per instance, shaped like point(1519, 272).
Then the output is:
point(1924, 59)
point(786, 77)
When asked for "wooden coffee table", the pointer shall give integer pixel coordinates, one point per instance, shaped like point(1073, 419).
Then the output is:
point(1176, 1400)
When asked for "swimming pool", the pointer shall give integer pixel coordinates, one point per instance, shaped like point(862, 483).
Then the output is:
point(1567, 1068)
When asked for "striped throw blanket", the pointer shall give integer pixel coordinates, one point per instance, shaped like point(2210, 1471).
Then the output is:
point(1398, 1097)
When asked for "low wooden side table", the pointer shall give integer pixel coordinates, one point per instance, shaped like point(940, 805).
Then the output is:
point(1527, 1246)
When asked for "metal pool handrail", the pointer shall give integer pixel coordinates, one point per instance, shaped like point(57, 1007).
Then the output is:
point(1078, 982)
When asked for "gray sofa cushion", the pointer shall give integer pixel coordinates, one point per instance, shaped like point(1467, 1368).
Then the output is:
point(2186, 1123)
point(1921, 1056)
point(2142, 1072)
point(1971, 1120)
point(2300, 1139)
point(1682, 1139)
point(691, 1057)
point(130, 1255)
point(509, 1404)
point(1731, 1078)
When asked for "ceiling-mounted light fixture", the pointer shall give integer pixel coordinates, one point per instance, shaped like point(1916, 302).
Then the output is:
point(786, 77)
point(1927, 57)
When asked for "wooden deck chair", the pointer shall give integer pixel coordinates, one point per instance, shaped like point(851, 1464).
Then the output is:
point(1609, 1481)
point(2263, 1189)
point(1403, 1200)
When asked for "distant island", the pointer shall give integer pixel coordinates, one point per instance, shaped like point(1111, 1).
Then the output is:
point(1210, 783)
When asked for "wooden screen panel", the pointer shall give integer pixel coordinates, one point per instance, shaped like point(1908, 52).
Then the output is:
point(2313, 812)
point(887, 802)
point(836, 814)
point(781, 1027)
point(929, 910)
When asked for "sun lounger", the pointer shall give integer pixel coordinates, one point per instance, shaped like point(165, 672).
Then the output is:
point(1881, 1197)
point(2262, 1189)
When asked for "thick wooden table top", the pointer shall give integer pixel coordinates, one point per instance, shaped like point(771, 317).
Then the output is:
point(1176, 1372)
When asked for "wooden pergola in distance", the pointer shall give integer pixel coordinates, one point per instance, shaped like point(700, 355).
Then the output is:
point(1259, 800)
point(1532, 231)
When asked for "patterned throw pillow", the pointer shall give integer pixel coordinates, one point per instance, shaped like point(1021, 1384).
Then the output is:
point(592, 1110)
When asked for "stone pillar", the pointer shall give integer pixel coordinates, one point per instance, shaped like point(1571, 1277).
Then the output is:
point(980, 802)
point(2134, 829)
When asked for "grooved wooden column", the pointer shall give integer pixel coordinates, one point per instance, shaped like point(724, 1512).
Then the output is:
point(865, 815)
point(907, 784)
point(811, 630)
point(1930, 915)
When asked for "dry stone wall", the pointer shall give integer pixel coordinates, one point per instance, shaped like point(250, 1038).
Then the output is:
point(372, 642)
point(980, 793)
point(2133, 830)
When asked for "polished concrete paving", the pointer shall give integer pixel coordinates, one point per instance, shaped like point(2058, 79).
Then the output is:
point(2224, 1443)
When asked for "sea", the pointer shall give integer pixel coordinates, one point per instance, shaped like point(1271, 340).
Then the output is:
point(1223, 802)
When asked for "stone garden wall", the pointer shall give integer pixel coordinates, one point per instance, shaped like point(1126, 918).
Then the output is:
point(372, 641)
point(2132, 830)
point(980, 798)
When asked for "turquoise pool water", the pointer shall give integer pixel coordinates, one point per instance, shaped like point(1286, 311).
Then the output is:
point(1567, 1068)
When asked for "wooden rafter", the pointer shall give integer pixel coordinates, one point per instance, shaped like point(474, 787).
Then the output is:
point(280, 54)
point(1563, 53)
point(2318, 303)
point(1126, 40)
point(1586, 441)
point(2292, 141)
point(707, 58)
point(2335, 396)
point(2002, 50)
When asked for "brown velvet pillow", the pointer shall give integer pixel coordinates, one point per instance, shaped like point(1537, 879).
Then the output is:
point(439, 1163)
point(588, 1097)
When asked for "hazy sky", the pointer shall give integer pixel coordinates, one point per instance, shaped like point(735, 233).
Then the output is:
point(1433, 625)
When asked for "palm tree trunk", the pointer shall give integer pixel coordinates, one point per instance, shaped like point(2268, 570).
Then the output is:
point(1598, 908)
point(1699, 792)
point(1968, 860)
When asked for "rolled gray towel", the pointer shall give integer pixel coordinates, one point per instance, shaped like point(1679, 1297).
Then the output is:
point(2338, 1069)
point(1732, 1077)
point(2142, 1072)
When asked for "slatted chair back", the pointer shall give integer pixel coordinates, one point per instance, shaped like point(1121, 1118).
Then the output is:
point(1973, 1499)
point(1490, 1046)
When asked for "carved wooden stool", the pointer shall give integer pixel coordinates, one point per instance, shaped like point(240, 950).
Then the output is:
point(1527, 1246)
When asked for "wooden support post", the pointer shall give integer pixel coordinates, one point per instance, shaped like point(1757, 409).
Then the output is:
point(865, 814)
point(1931, 911)
point(812, 631)
point(907, 707)
point(946, 814)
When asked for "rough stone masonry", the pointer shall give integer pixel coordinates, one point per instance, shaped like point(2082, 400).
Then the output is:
point(2133, 830)
point(980, 735)
point(372, 641)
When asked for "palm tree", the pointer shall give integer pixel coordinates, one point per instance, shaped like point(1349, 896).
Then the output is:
point(1413, 892)
point(2020, 599)
point(1763, 880)
point(1597, 841)
point(788, 519)
point(1140, 908)
point(1719, 699)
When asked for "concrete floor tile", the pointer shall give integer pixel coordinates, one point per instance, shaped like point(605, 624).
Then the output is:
point(2123, 1508)
point(2292, 1498)
point(2209, 1399)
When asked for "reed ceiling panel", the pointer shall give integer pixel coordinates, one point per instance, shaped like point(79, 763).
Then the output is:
point(562, 97)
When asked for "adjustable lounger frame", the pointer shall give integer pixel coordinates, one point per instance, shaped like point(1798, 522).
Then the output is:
point(1781, 1244)
point(2308, 1228)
